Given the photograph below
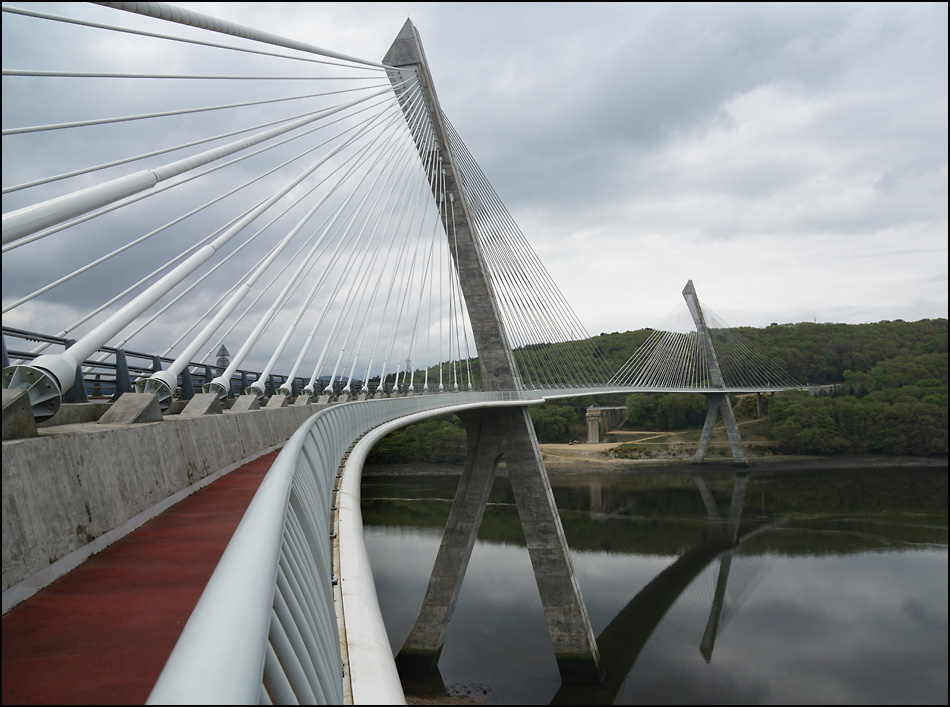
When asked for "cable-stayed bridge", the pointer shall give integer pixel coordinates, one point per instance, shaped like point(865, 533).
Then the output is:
point(320, 214)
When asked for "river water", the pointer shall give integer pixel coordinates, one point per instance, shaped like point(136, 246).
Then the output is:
point(836, 591)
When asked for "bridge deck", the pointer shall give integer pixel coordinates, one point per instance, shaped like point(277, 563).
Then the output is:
point(102, 633)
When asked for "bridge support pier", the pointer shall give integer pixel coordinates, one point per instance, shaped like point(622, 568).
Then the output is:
point(719, 403)
point(492, 435)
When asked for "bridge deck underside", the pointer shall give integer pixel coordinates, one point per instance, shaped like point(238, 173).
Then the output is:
point(102, 633)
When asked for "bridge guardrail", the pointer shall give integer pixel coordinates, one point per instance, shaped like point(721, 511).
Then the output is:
point(267, 615)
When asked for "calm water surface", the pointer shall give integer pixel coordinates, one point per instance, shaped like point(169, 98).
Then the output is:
point(836, 593)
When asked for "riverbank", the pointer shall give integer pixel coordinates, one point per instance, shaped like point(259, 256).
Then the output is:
point(558, 462)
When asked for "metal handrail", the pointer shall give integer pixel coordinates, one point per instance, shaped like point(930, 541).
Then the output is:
point(265, 627)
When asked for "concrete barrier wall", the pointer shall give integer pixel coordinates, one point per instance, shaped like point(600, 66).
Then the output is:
point(76, 483)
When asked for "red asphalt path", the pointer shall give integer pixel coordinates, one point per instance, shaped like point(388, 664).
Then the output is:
point(101, 633)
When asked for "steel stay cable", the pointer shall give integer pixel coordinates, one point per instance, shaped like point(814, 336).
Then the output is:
point(635, 364)
point(671, 358)
point(545, 327)
point(670, 367)
point(219, 382)
point(477, 188)
point(755, 358)
point(440, 204)
point(628, 369)
point(138, 329)
point(517, 327)
point(676, 360)
point(435, 189)
point(269, 254)
point(408, 230)
point(280, 272)
point(170, 376)
point(380, 154)
point(28, 220)
point(425, 201)
point(134, 286)
point(439, 222)
point(194, 211)
point(370, 253)
point(183, 40)
point(155, 272)
point(402, 202)
point(463, 309)
point(218, 77)
point(424, 195)
point(516, 305)
point(629, 365)
point(396, 269)
point(327, 344)
point(490, 200)
point(154, 153)
point(406, 296)
point(126, 201)
point(265, 289)
point(171, 13)
point(63, 366)
point(220, 299)
point(427, 270)
point(444, 217)
point(301, 310)
point(523, 329)
point(30, 129)
point(367, 309)
point(570, 318)
point(453, 272)
point(732, 348)
point(331, 337)
point(452, 321)
point(661, 359)
point(646, 369)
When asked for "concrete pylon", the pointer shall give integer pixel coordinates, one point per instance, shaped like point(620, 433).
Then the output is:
point(718, 402)
point(492, 435)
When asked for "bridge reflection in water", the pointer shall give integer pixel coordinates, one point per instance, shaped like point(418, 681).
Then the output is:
point(676, 589)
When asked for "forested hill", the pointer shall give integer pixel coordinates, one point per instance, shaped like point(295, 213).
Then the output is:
point(892, 398)
point(817, 353)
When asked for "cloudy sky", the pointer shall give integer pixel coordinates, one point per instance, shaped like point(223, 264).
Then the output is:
point(790, 159)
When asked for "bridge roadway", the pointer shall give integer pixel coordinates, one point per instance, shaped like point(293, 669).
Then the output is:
point(133, 606)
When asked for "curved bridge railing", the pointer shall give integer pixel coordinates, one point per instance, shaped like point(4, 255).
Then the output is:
point(265, 629)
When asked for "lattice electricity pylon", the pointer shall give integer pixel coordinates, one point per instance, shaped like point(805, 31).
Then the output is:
point(694, 350)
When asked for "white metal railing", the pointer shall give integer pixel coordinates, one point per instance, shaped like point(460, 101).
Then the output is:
point(267, 616)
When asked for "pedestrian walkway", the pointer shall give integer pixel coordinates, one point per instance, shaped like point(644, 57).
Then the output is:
point(102, 633)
